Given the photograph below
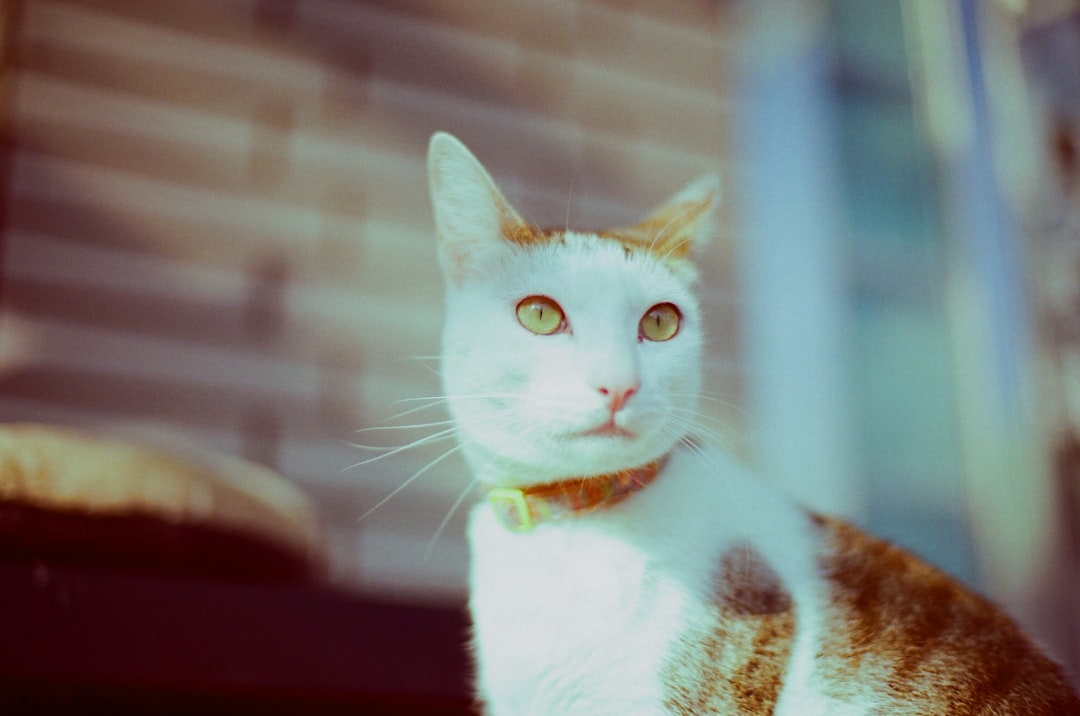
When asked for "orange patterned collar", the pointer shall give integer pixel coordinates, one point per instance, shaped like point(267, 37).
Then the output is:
point(521, 509)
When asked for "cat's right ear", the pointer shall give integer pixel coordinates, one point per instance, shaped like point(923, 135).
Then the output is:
point(472, 218)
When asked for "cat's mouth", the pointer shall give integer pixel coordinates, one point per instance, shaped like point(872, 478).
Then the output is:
point(609, 429)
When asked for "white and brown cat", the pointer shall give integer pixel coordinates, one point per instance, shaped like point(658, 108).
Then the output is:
point(622, 566)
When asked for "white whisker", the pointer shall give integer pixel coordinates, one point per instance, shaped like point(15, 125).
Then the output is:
point(674, 248)
point(436, 437)
point(449, 516)
point(416, 475)
point(410, 426)
point(430, 404)
point(662, 230)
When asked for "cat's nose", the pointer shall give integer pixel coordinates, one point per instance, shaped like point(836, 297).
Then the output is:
point(618, 396)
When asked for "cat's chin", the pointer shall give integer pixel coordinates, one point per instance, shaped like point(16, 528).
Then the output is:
point(607, 430)
point(579, 446)
point(609, 446)
point(602, 453)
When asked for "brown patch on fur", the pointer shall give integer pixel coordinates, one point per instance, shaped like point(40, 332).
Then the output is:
point(735, 661)
point(513, 228)
point(668, 234)
point(636, 243)
point(523, 234)
point(921, 642)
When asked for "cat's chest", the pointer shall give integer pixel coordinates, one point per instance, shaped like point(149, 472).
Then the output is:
point(588, 615)
point(616, 614)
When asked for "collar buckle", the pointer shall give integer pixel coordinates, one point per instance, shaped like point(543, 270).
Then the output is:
point(511, 508)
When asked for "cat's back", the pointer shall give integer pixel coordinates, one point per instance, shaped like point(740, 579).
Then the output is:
point(880, 632)
point(899, 631)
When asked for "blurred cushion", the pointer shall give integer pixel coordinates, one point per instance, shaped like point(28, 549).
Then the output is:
point(75, 498)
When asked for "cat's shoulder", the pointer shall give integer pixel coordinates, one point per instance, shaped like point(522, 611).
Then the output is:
point(919, 635)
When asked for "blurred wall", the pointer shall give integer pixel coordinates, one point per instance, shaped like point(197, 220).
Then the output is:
point(217, 224)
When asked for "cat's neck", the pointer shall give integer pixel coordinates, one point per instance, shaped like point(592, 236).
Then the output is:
point(521, 508)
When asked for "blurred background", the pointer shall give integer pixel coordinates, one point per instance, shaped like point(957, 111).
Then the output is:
point(215, 227)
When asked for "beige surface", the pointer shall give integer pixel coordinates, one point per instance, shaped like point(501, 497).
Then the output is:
point(63, 469)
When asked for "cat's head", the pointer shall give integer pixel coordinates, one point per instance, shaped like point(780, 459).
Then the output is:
point(564, 352)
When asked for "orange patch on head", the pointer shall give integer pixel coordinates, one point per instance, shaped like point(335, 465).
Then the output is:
point(515, 229)
point(524, 235)
point(669, 233)
point(511, 226)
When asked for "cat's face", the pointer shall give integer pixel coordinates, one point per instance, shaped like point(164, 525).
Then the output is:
point(564, 353)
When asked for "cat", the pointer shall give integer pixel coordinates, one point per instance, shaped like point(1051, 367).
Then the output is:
point(622, 566)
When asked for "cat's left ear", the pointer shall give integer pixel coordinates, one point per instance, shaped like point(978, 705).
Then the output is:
point(472, 218)
point(685, 222)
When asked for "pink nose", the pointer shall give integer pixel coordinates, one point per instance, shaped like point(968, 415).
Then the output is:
point(617, 397)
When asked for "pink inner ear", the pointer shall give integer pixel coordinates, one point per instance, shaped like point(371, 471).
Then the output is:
point(464, 260)
point(454, 260)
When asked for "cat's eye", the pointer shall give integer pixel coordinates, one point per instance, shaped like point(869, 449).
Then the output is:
point(540, 314)
point(661, 322)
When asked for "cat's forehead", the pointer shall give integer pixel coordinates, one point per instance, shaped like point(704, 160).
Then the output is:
point(631, 244)
point(583, 268)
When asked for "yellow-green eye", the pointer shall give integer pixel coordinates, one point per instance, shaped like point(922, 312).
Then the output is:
point(661, 322)
point(540, 314)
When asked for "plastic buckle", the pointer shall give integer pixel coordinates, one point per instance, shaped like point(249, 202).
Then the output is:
point(510, 508)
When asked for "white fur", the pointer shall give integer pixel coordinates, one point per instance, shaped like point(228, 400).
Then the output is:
point(578, 617)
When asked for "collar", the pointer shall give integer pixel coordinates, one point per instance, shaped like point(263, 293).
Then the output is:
point(521, 509)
